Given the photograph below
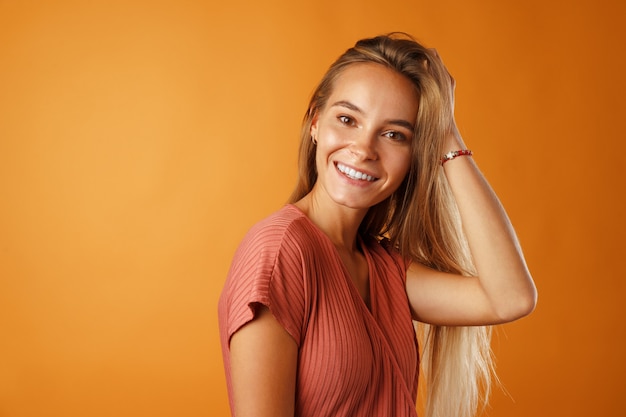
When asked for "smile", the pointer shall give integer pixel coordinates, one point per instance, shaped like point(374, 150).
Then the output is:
point(355, 175)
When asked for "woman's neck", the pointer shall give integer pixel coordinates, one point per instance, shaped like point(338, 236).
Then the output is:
point(339, 223)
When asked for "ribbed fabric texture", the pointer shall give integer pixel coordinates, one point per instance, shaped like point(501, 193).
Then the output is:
point(353, 361)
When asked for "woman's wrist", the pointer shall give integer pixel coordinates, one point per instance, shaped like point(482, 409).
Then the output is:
point(454, 146)
point(454, 154)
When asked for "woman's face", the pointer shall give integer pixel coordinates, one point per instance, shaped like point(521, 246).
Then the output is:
point(364, 135)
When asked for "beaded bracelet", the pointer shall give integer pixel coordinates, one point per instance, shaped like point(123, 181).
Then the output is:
point(453, 154)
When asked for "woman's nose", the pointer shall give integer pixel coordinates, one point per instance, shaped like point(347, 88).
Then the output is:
point(364, 145)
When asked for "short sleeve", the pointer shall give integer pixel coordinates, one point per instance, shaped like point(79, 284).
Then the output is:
point(267, 269)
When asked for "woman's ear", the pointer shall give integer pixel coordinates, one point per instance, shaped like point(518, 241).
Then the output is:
point(313, 131)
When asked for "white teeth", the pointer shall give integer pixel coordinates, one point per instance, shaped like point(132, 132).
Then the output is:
point(355, 175)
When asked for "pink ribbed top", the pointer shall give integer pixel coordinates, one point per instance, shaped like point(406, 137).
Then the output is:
point(353, 361)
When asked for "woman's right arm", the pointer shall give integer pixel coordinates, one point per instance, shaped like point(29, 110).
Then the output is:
point(263, 362)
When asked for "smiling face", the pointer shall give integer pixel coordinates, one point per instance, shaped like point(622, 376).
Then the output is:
point(364, 135)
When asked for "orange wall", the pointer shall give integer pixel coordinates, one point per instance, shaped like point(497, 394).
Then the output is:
point(140, 139)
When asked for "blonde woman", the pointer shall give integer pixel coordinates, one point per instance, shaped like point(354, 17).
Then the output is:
point(391, 222)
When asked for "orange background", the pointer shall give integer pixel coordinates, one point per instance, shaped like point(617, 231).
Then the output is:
point(139, 140)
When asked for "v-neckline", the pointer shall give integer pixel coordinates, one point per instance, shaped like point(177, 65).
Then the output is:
point(345, 273)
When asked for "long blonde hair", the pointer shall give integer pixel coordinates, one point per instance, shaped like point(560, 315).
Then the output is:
point(420, 218)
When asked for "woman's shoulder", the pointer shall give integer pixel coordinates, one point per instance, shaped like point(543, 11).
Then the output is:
point(283, 218)
point(286, 228)
point(287, 220)
point(381, 245)
point(385, 253)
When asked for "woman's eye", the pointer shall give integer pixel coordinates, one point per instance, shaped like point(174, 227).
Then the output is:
point(345, 120)
point(395, 135)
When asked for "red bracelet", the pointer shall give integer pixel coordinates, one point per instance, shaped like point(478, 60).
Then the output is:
point(453, 154)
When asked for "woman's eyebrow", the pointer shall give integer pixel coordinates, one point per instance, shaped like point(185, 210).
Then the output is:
point(348, 105)
point(402, 123)
point(398, 122)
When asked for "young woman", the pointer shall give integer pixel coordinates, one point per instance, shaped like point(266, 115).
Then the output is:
point(391, 222)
